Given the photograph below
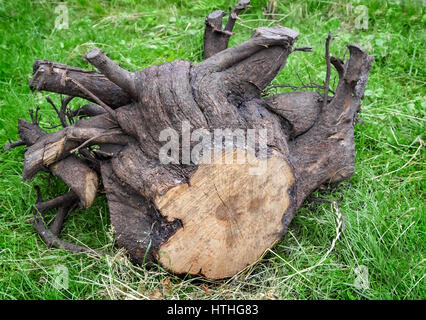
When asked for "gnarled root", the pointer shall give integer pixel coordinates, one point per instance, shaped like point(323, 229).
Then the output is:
point(50, 236)
point(200, 217)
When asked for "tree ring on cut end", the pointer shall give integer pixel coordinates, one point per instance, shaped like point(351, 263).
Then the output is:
point(231, 213)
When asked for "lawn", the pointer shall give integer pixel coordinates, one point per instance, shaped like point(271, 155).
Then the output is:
point(380, 252)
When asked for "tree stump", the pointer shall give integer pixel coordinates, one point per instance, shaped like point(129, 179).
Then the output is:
point(202, 173)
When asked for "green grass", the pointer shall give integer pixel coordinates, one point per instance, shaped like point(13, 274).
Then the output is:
point(383, 206)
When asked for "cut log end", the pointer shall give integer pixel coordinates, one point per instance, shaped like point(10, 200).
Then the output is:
point(231, 213)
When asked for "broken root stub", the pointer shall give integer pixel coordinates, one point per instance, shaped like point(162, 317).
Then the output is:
point(211, 208)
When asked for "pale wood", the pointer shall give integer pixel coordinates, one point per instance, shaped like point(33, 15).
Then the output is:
point(229, 216)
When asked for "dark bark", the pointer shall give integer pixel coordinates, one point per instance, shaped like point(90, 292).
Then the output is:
point(51, 76)
point(50, 236)
point(216, 37)
point(309, 143)
point(300, 109)
point(88, 110)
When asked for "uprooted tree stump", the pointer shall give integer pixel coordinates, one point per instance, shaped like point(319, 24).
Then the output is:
point(205, 213)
